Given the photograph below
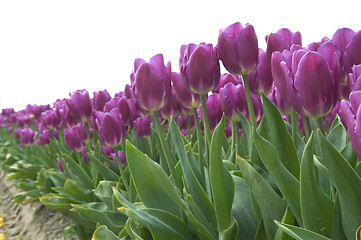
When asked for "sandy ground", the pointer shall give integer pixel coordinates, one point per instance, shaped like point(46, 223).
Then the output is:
point(27, 222)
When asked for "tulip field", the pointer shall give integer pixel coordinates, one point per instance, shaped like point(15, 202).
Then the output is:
point(269, 150)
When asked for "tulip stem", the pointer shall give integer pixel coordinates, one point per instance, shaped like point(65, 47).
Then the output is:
point(122, 174)
point(295, 129)
point(200, 143)
point(306, 127)
point(234, 145)
point(189, 128)
point(249, 102)
point(320, 125)
point(166, 150)
point(207, 130)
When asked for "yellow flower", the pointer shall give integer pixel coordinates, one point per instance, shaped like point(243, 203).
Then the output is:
point(2, 236)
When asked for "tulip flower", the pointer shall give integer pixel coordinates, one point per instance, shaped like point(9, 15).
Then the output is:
point(171, 108)
point(238, 48)
point(199, 67)
point(27, 136)
point(185, 97)
point(142, 126)
point(214, 111)
point(60, 165)
point(260, 80)
point(152, 83)
point(125, 112)
point(351, 116)
point(72, 139)
point(111, 104)
point(233, 98)
point(226, 78)
point(283, 106)
point(121, 156)
point(79, 106)
point(308, 85)
point(281, 40)
point(50, 119)
point(107, 150)
point(100, 99)
point(84, 155)
point(44, 137)
point(110, 127)
point(353, 82)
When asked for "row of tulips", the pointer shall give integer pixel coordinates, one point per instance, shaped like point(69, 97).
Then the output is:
point(197, 154)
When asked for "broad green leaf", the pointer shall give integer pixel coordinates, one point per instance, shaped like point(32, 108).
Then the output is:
point(105, 171)
point(98, 213)
point(193, 186)
point(221, 181)
point(316, 207)
point(348, 186)
point(231, 232)
point(242, 210)
point(281, 138)
point(270, 204)
point(337, 229)
point(154, 187)
point(79, 172)
point(104, 191)
point(300, 233)
point(163, 225)
point(102, 233)
point(75, 190)
point(286, 182)
point(338, 137)
point(287, 218)
point(246, 132)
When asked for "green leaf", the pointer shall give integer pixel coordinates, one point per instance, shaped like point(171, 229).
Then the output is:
point(79, 172)
point(105, 171)
point(287, 218)
point(270, 204)
point(246, 132)
point(221, 181)
point(347, 183)
point(316, 207)
point(154, 187)
point(102, 233)
point(98, 213)
point(104, 191)
point(242, 210)
point(338, 137)
point(163, 225)
point(337, 230)
point(286, 182)
point(193, 186)
point(281, 138)
point(300, 233)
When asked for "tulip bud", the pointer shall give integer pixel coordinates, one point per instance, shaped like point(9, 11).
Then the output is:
point(238, 48)
point(27, 136)
point(44, 137)
point(142, 126)
point(72, 139)
point(200, 68)
point(121, 156)
point(351, 117)
point(171, 108)
point(50, 119)
point(60, 165)
point(226, 78)
point(110, 127)
point(260, 80)
point(152, 83)
point(100, 99)
point(79, 106)
point(233, 98)
point(185, 97)
point(214, 110)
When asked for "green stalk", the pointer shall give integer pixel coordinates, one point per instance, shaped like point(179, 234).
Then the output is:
point(320, 125)
point(307, 127)
point(295, 129)
point(166, 150)
point(234, 145)
point(252, 116)
point(207, 130)
point(122, 174)
point(189, 128)
point(200, 143)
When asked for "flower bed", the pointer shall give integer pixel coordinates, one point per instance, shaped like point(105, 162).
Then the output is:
point(272, 153)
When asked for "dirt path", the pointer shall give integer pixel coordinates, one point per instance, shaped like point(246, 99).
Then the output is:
point(27, 222)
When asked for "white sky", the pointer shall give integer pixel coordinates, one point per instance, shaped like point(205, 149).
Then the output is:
point(50, 48)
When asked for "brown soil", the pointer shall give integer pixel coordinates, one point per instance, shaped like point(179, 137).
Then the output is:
point(27, 222)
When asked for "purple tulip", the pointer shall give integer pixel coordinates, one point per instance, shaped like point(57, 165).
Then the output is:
point(142, 126)
point(111, 104)
point(152, 83)
point(353, 82)
point(185, 97)
point(84, 155)
point(72, 139)
point(351, 116)
point(121, 156)
point(260, 80)
point(80, 130)
point(283, 106)
point(100, 99)
point(44, 137)
point(79, 106)
point(110, 127)
point(233, 98)
point(27, 136)
point(50, 119)
point(60, 165)
point(199, 67)
point(306, 82)
point(214, 110)
point(24, 121)
point(125, 112)
point(281, 40)
point(171, 108)
point(7, 111)
point(226, 78)
point(238, 48)
point(107, 150)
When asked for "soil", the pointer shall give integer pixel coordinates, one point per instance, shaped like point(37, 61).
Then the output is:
point(27, 222)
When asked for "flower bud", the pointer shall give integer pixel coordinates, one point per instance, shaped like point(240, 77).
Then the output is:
point(110, 127)
point(100, 99)
point(185, 97)
point(27, 136)
point(72, 139)
point(79, 106)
